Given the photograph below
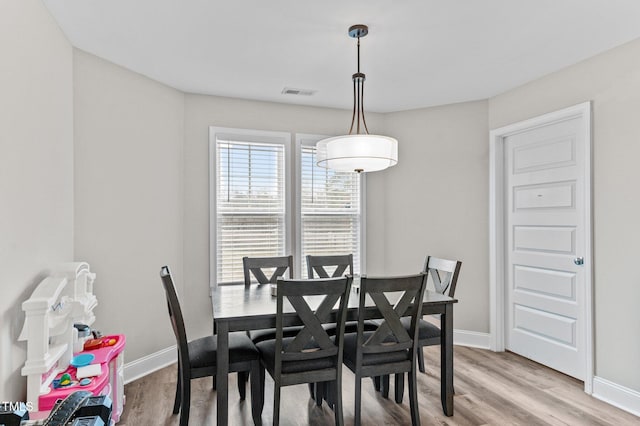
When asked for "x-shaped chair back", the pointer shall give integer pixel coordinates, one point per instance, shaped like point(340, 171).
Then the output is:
point(391, 336)
point(256, 266)
point(312, 341)
point(317, 264)
point(444, 274)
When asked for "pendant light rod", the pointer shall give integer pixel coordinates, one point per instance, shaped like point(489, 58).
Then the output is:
point(358, 55)
point(357, 31)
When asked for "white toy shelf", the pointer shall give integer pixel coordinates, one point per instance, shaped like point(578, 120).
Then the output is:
point(60, 300)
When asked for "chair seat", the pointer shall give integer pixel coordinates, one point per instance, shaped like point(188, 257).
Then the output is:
point(267, 350)
point(257, 336)
point(350, 344)
point(203, 351)
point(426, 330)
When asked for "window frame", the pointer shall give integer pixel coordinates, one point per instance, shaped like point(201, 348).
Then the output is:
point(247, 135)
point(305, 139)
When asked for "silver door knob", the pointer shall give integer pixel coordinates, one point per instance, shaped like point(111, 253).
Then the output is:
point(579, 261)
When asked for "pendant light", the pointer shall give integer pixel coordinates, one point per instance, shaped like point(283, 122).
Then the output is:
point(357, 151)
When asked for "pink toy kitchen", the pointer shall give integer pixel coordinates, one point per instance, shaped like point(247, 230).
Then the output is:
point(64, 354)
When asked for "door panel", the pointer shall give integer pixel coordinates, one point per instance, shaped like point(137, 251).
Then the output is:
point(545, 281)
point(560, 195)
point(544, 238)
point(545, 324)
point(545, 232)
point(545, 155)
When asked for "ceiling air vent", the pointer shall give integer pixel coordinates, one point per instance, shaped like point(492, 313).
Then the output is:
point(298, 92)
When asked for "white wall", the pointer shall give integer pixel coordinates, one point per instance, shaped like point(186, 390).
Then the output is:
point(612, 81)
point(436, 200)
point(128, 197)
point(204, 111)
point(36, 168)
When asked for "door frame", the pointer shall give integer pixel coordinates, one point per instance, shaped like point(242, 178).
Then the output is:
point(497, 243)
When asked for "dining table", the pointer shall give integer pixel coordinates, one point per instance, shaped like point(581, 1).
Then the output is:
point(243, 308)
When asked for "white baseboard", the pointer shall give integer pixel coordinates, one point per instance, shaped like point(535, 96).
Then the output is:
point(148, 364)
point(473, 339)
point(616, 395)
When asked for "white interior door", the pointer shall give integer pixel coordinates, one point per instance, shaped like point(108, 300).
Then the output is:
point(546, 243)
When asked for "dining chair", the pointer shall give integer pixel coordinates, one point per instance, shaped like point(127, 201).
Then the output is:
point(257, 267)
point(337, 265)
point(311, 356)
point(340, 263)
point(444, 275)
point(391, 349)
point(197, 358)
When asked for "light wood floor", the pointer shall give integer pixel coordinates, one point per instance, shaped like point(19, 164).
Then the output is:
point(491, 389)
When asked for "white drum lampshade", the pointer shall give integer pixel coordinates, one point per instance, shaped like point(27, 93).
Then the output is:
point(357, 153)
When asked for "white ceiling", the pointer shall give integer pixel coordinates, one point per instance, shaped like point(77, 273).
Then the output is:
point(418, 53)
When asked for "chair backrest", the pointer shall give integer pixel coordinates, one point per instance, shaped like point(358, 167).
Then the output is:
point(312, 341)
point(257, 266)
point(406, 300)
point(175, 313)
point(444, 274)
point(317, 263)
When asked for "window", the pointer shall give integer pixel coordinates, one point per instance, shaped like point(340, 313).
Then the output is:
point(250, 180)
point(330, 206)
point(252, 196)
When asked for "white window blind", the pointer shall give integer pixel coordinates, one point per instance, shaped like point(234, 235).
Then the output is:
point(250, 204)
point(330, 211)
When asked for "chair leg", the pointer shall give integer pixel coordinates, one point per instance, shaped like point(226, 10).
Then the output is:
point(421, 359)
point(376, 383)
point(186, 402)
point(213, 382)
point(176, 404)
point(256, 398)
point(242, 384)
point(399, 387)
point(261, 383)
point(312, 390)
point(276, 403)
point(385, 386)
point(413, 397)
point(320, 393)
point(336, 400)
point(358, 401)
point(331, 394)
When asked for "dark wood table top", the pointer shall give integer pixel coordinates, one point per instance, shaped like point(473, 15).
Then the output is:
point(235, 302)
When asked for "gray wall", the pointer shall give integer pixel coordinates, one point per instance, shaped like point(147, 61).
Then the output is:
point(128, 196)
point(436, 200)
point(36, 168)
point(612, 81)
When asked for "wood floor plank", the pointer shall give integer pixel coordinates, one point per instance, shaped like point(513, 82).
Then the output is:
point(491, 389)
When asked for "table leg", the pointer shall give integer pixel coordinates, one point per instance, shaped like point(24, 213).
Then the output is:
point(223, 373)
point(446, 359)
